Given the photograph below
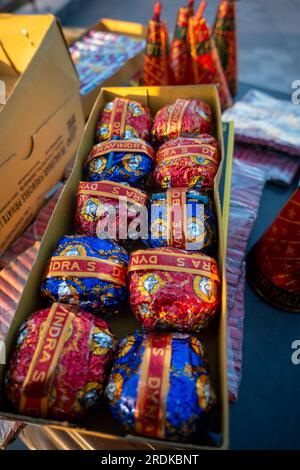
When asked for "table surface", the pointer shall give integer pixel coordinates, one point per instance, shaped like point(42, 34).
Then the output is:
point(267, 414)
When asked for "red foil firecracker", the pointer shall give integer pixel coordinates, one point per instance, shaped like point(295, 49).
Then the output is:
point(184, 117)
point(106, 209)
point(224, 33)
point(124, 119)
point(273, 266)
point(187, 162)
point(172, 289)
point(205, 61)
point(156, 60)
point(60, 363)
point(179, 45)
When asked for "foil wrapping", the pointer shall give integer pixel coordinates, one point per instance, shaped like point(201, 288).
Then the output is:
point(170, 289)
point(125, 119)
point(123, 161)
point(59, 363)
point(182, 118)
point(187, 162)
point(88, 272)
point(108, 210)
point(182, 218)
point(166, 395)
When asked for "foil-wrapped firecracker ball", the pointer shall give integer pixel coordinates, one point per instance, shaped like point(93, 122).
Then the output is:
point(172, 289)
point(124, 119)
point(109, 210)
point(60, 363)
point(88, 272)
point(187, 162)
point(183, 219)
point(160, 387)
point(182, 118)
point(123, 161)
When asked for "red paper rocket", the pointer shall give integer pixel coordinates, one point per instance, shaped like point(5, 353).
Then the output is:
point(156, 59)
point(205, 64)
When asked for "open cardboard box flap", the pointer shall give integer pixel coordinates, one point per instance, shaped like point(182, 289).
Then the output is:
point(42, 99)
point(99, 423)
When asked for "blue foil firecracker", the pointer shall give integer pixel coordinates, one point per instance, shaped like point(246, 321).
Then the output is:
point(123, 161)
point(88, 272)
point(183, 219)
point(166, 395)
point(64, 380)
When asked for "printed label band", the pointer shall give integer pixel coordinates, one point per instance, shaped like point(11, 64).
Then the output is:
point(118, 117)
point(87, 266)
point(176, 217)
point(147, 260)
point(119, 146)
point(203, 151)
point(175, 118)
point(38, 380)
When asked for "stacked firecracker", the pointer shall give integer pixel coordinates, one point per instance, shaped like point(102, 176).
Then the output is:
point(197, 55)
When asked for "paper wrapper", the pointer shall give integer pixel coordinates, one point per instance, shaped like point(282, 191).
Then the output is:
point(166, 395)
point(123, 119)
point(205, 64)
point(12, 281)
point(224, 34)
point(263, 120)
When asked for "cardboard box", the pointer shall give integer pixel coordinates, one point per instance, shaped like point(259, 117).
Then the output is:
point(41, 120)
point(100, 423)
point(123, 76)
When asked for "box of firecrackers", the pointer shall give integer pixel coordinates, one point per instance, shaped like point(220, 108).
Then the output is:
point(147, 160)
